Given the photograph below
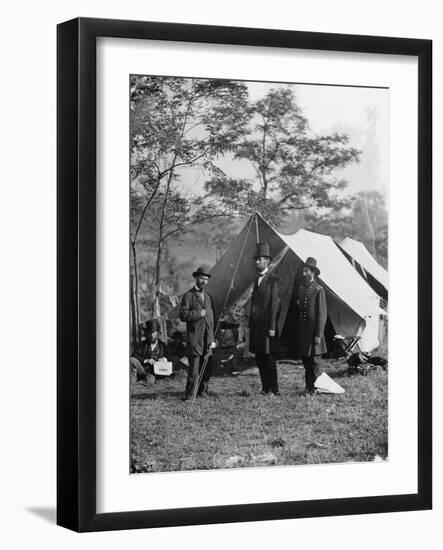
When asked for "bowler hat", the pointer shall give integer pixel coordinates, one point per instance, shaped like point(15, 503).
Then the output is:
point(262, 249)
point(312, 264)
point(152, 325)
point(201, 271)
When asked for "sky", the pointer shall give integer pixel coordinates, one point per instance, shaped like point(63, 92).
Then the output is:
point(362, 113)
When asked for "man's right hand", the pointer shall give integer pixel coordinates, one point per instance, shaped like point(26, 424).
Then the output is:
point(203, 312)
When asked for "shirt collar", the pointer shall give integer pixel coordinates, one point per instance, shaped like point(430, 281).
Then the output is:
point(263, 273)
point(198, 289)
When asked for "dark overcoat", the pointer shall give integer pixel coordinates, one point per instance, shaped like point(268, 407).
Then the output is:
point(311, 315)
point(263, 316)
point(199, 330)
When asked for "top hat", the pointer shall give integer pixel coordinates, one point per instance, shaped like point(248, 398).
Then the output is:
point(262, 249)
point(312, 264)
point(201, 271)
point(152, 325)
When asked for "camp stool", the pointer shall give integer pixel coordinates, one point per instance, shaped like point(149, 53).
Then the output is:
point(347, 344)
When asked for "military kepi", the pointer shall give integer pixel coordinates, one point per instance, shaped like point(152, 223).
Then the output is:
point(312, 264)
point(262, 249)
point(201, 271)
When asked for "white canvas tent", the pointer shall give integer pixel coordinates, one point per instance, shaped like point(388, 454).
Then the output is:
point(368, 267)
point(353, 307)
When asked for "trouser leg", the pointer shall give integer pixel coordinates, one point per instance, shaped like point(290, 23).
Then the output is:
point(312, 371)
point(194, 363)
point(317, 367)
point(137, 370)
point(203, 388)
point(261, 364)
point(271, 373)
point(308, 363)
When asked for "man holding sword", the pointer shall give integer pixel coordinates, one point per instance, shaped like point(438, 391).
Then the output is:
point(197, 311)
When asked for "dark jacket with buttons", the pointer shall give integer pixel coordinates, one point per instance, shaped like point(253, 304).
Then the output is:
point(200, 330)
point(311, 315)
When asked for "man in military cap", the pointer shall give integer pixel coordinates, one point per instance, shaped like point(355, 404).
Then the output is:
point(311, 315)
point(265, 306)
point(197, 311)
point(150, 350)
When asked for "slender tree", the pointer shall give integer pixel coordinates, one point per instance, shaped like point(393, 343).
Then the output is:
point(294, 168)
point(177, 124)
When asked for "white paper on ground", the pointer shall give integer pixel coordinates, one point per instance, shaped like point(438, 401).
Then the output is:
point(325, 384)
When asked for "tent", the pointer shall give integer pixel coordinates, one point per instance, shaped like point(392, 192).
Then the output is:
point(353, 307)
point(368, 267)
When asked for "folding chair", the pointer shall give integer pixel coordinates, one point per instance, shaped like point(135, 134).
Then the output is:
point(346, 344)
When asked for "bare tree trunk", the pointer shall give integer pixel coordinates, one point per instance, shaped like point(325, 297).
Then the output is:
point(136, 297)
point(160, 232)
point(134, 325)
point(262, 168)
point(165, 200)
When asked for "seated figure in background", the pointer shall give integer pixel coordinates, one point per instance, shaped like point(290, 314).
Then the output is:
point(150, 350)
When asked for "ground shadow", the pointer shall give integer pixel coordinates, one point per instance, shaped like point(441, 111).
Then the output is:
point(48, 514)
point(152, 396)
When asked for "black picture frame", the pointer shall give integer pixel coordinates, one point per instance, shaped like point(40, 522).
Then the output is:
point(76, 274)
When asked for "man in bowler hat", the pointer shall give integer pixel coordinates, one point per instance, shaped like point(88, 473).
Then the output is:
point(311, 315)
point(197, 311)
point(265, 306)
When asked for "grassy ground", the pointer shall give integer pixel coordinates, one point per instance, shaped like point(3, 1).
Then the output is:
point(237, 427)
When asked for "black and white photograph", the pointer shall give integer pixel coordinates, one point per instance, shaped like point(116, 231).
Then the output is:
point(238, 200)
point(258, 274)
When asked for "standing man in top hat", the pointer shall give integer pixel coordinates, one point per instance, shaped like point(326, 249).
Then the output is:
point(197, 311)
point(311, 315)
point(265, 305)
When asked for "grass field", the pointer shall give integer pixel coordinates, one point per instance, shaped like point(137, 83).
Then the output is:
point(237, 427)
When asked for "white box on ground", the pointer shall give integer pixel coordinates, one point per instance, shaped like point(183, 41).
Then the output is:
point(163, 368)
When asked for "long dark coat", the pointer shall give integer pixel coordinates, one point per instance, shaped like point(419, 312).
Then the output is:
point(200, 330)
point(263, 317)
point(311, 315)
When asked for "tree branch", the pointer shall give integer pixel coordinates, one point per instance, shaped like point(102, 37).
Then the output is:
point(194, 222)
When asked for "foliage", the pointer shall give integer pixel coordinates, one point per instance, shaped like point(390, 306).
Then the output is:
point(294, 168)
point(181, 128)
point(217, 235)
point(179, 124)
point(365, 220)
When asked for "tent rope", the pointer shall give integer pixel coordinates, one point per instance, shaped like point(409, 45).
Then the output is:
point(231, 286)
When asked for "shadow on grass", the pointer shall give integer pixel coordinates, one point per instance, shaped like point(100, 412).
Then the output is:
point(162, 394)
